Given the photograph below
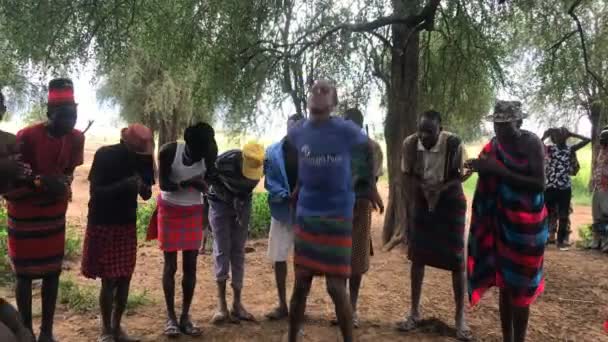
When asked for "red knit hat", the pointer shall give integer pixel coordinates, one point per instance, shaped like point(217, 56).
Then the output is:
point(138, 138)
point(61, 91)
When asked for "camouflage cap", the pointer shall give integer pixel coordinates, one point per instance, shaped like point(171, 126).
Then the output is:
point(507, 111)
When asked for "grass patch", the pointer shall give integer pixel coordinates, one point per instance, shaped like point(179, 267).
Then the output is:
point(85, 298)
point(78, 298)
point(73, 242)
point(259, 223)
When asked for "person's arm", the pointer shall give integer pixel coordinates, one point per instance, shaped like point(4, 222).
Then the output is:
point(584, 141)
point(547, 134)
point(534, 152)
point(276, 191)
point(165, 160)
point(100, 188)
point(12, 320)
point(374, 196)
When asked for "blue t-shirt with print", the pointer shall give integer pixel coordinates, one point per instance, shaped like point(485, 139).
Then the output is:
point(324, 166)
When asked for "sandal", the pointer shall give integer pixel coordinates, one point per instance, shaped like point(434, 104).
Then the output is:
point(242, 315)
point(46, 338)
point(221, 317)
point(171, 329)
point(408, 325)
point(356, 324)
point(277, 314)
point(123, 337)
point(189, 329)
point(464, 335)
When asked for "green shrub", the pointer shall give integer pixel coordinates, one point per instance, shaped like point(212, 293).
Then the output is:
point(259, 223)
point(77, 297)
point(144, 213)
point(585, 233)
point(6, 275)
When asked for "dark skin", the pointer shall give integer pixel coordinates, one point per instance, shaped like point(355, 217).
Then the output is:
point(514, 319)
point(11, 169)
point(115, 292)
point(354, 282)
point(190, 156)
point(61, 121)
point(11, 327)
point(322, 102)
point(280, 267)
point(428, 133)
point(560, 136)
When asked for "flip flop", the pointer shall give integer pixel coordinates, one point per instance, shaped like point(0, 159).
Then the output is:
point(171, 329)
point(106, 338)
point(277, 314)
point(465, 335)
point(355, 321)
point(189, 329)
point(408, 325)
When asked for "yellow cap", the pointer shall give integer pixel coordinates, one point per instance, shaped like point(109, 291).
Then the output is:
point(253, 160)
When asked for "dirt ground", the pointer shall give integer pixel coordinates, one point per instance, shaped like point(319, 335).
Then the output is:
point(573, 307)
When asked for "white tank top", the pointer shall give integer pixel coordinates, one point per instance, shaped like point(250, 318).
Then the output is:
point(181, 172)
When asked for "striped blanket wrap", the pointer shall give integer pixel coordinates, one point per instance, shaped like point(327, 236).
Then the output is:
point(437, 237)
point(323, 246)
point(508, 233)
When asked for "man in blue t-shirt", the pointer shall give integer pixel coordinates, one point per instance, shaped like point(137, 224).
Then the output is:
point(323, 232)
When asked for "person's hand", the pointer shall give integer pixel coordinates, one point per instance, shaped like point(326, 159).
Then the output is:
point(196, 182)
point(15, 169)
point(145, 191)
point(484, 165)
point(376, 199)
point(54, 186)
point(293, 198)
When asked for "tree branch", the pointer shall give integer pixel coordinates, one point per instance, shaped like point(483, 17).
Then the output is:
point(562, 40)
point(581, 33)
point(424, 20)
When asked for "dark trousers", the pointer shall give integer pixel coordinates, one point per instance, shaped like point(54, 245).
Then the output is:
point(558, 205)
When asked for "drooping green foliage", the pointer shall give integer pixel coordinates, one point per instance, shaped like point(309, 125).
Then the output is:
point(556, 78)
point(223, 57)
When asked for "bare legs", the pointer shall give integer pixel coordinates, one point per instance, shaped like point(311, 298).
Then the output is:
point(514, 320)
point(280, 275)
point(458, 286)
point(50, 288)
point(188, 286)
point(336, 288)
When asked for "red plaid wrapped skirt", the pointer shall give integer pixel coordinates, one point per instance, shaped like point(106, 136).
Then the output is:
point(178, 228)
point(110, 251)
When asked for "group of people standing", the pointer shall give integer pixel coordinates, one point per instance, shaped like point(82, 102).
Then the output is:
point(321, 182)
